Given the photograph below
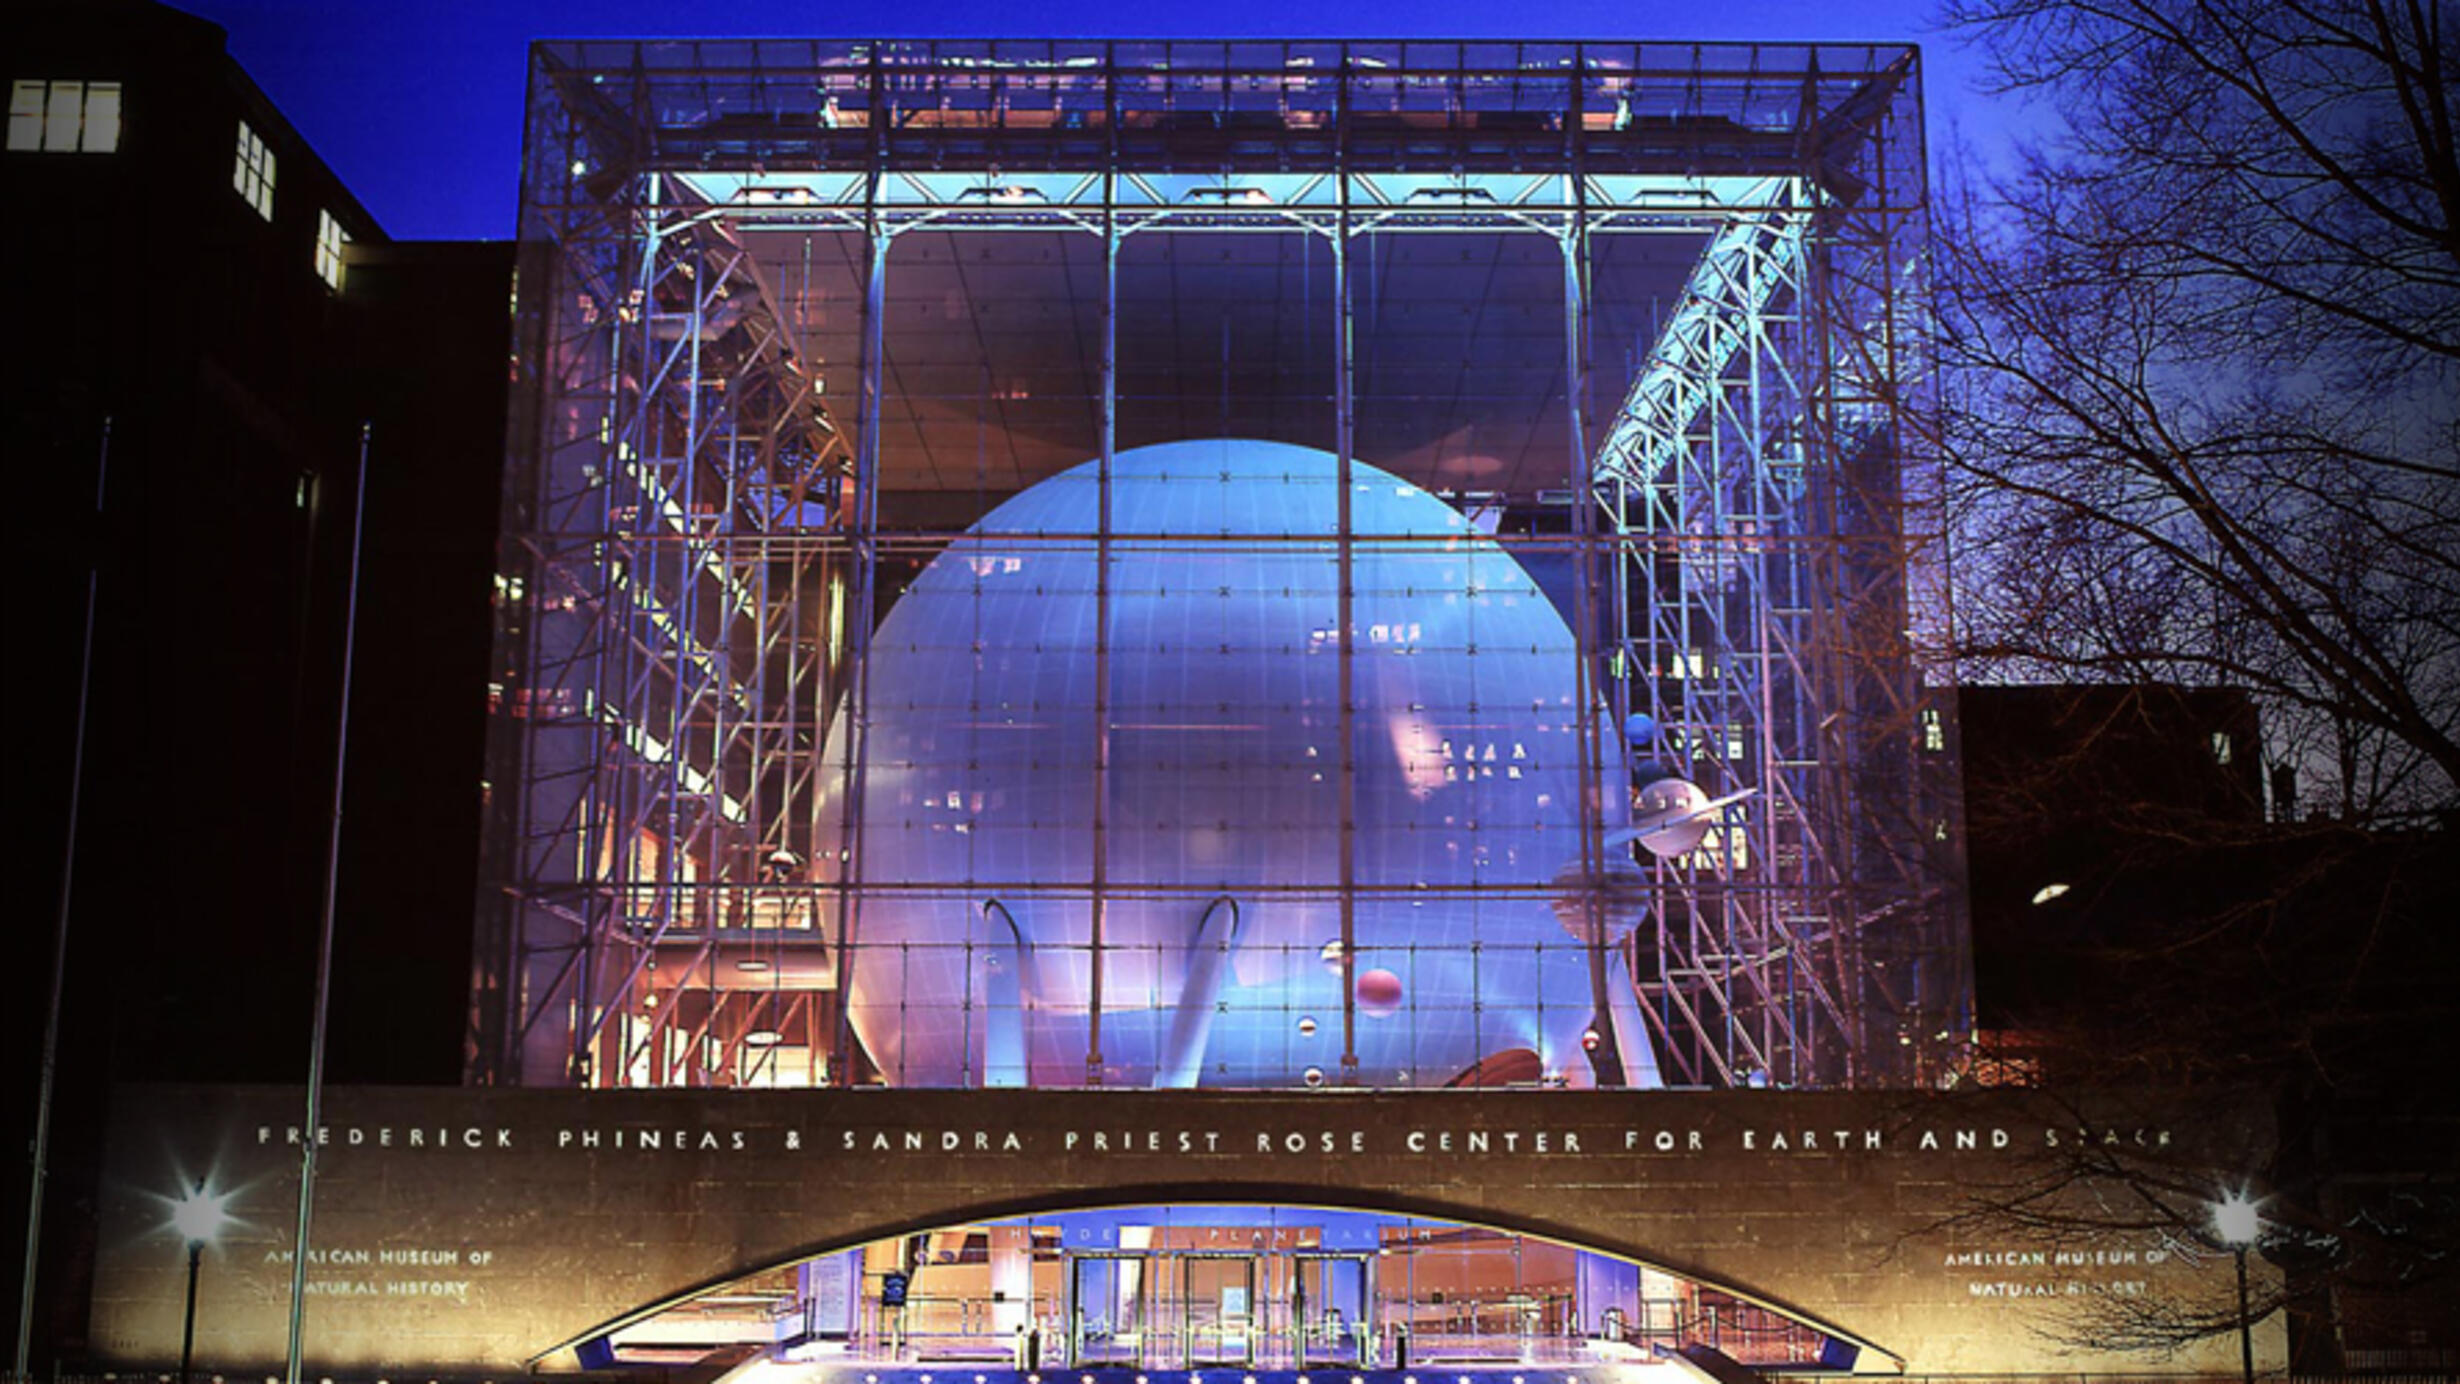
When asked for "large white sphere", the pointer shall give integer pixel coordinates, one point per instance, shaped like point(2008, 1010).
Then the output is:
point(979, 782)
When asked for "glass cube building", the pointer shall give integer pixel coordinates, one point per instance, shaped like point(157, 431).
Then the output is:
point(1248, 564)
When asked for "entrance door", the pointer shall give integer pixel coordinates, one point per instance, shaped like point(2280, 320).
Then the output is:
point(1219, 1314)
point(1331, 1306)
point(1108, 1311)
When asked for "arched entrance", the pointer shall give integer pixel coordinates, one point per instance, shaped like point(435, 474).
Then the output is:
point(1243, 1285)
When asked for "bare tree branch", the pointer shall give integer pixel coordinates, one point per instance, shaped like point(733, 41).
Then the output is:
point(2199, 355)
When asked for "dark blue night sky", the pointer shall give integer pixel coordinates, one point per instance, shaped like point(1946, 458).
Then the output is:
point(418, 106)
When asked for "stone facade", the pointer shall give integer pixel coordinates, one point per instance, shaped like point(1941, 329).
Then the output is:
point(460, 1229)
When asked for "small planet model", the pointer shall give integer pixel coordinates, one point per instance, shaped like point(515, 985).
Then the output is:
point(1673, 816)
point(1379, 994)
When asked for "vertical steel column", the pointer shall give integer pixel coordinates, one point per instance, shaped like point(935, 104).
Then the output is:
point(1574, 243)
point(1830, 786)
point(666, 819)
point(1745, 672)
point(862, 532)
point(1100, 879)
point(859, 622)
point(619, 783)
point(1344, 622)
point(1708, 689)
point(815, 562)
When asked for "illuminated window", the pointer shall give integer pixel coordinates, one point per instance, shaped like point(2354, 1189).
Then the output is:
point(1934, 731)
point(252, 177)
point(64, 117)
point(330, 238)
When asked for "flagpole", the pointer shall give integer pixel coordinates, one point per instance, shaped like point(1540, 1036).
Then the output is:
point(59, 944)
point(324, 940)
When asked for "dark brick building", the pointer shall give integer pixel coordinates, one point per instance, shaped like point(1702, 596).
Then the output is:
point(203, 325)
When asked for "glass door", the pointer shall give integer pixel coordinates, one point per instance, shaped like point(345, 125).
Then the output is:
point(1218, 1309)
point(1331, 1310)
point(1108, 1314)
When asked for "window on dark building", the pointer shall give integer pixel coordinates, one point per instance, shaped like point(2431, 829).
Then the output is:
point(252, 176)
point(64, 117)
point(330, 238)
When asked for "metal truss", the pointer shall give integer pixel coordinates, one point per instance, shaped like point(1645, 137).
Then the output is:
point(693, 548)
point(666, 701)
point(1757, 474)
point(1705, 466)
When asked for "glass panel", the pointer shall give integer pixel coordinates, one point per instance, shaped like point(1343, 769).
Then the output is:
point(1107, 1321)
point(102, 117)
point(1219, 1307)
point(1329, 1307)
point(60, 121)
point(252, 175)
point(26, 115)
point(330, 239)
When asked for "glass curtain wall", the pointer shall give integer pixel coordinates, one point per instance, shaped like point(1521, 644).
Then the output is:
point(1197, 564)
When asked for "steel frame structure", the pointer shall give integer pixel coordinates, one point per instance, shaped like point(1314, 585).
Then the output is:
point(694, 543)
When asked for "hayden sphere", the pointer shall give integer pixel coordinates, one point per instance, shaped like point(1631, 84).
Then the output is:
point(1218, 708)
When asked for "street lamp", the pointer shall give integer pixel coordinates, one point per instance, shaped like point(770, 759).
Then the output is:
point(198, 1217)
point(2234, 1220)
